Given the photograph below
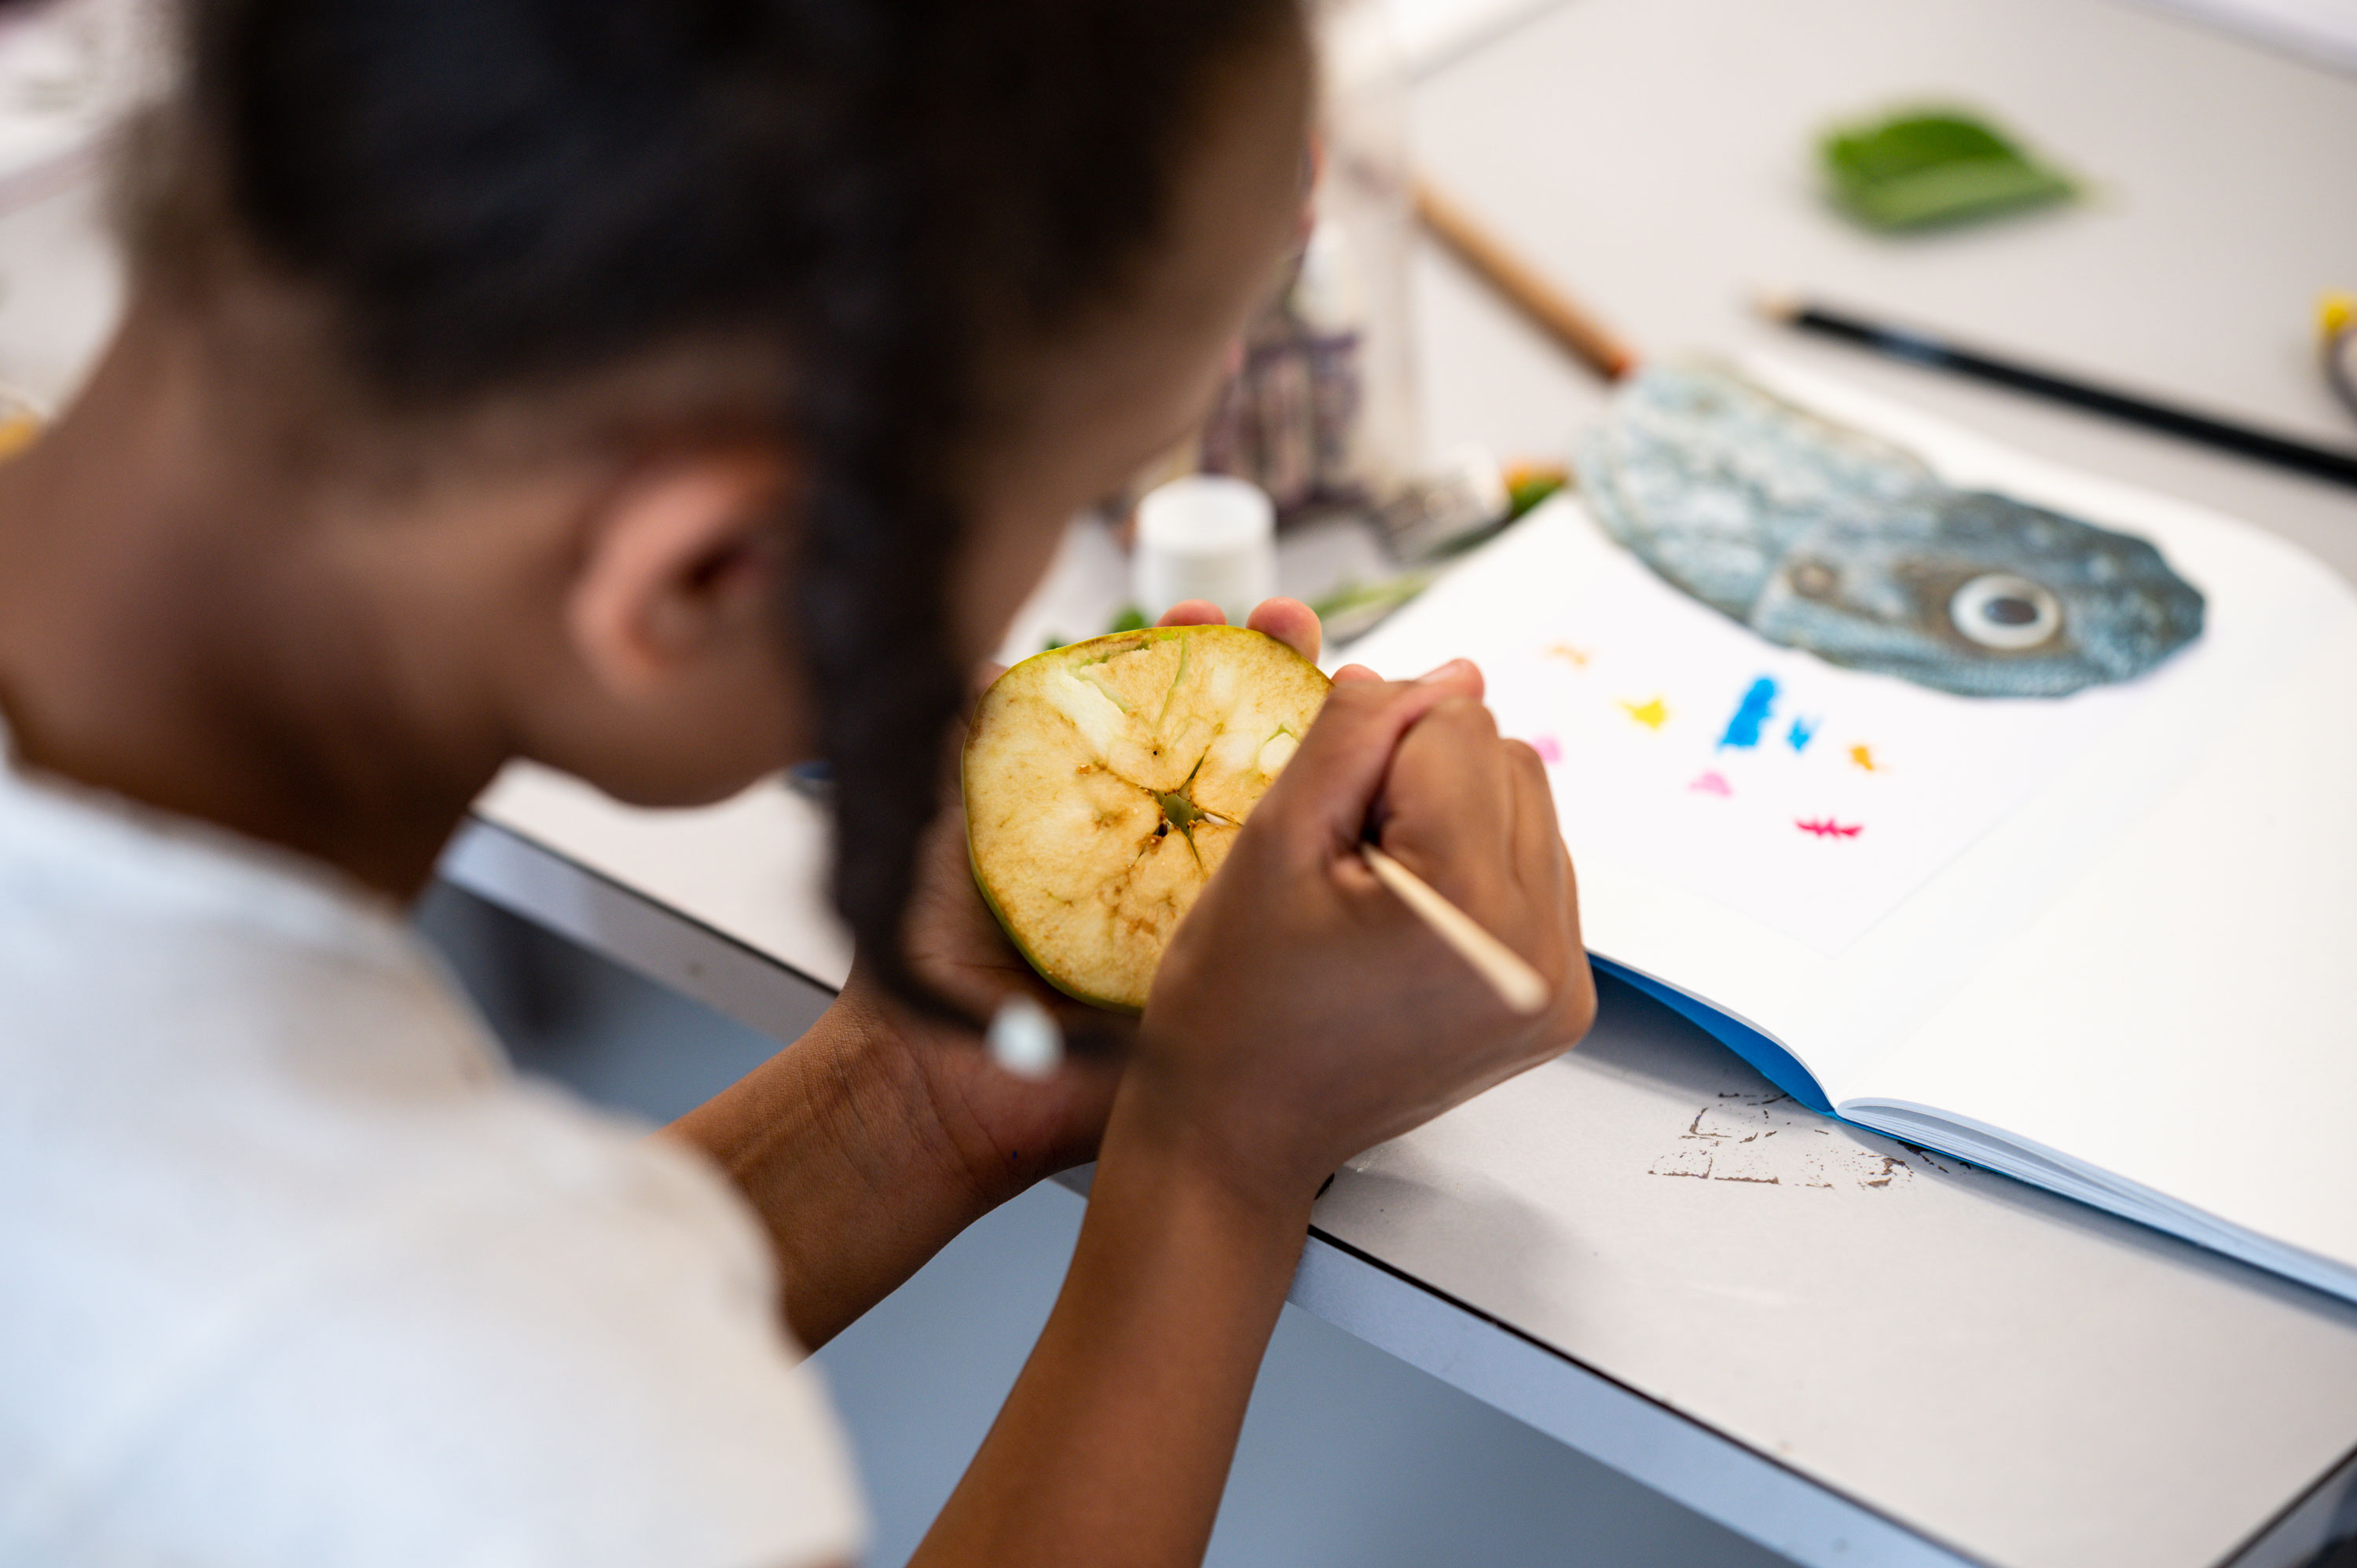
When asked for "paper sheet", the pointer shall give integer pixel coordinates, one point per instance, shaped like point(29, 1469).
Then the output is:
point(1992, 806)
point(1812, 799)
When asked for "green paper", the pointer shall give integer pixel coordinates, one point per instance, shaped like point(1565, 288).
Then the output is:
point(1918, 169)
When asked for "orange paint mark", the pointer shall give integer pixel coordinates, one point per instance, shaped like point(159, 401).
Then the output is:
point(1864, 757)
point(1568, 654)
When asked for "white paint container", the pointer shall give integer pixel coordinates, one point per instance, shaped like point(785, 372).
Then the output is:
point(1204, 537)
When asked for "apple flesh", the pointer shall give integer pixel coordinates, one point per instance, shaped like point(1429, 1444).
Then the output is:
point(1105, 781)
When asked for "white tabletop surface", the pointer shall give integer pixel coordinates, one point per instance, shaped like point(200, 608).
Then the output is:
point(2021, 1380)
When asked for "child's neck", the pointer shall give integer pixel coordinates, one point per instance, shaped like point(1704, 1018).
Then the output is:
point(173, 628)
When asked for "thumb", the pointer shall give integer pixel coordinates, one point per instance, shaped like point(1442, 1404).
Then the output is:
point(1332, 781)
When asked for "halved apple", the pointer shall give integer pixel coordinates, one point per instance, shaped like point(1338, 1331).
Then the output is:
point(1105, 781)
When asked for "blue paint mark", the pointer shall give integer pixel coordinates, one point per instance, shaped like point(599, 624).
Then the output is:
point(1750, 714)
point(1803, 732)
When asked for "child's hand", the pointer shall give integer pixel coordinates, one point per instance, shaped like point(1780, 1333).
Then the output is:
point(1302, 1014)
point(1289, 621)
point(1007, 1132)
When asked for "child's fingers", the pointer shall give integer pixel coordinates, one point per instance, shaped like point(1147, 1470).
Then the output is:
point(1326, 791)
point(1539, 854)
point(1550, 886)
point(1542, 863)
point(1448, 809)
point(1291, 622)
point(1463, 670)
point(1474, 815)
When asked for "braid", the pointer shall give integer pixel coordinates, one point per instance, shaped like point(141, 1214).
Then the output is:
point(880, 529)
point(874, 198)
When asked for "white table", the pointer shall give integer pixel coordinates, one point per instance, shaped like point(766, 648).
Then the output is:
point(1851, 1353)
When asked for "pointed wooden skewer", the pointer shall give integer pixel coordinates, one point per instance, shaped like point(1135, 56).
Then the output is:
point(1556, 311)
point(1519, 985)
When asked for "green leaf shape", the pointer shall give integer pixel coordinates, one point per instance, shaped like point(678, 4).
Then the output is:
point(1918, 169)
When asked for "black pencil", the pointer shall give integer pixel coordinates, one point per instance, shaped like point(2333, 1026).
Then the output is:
point(1924, 348)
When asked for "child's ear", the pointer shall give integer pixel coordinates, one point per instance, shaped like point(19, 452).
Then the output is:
point(678, 568)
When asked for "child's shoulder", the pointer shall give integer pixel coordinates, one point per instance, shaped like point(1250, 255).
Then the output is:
point(277, 1224)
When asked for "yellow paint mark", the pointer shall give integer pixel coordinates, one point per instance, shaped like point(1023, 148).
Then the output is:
point(1568, 654)
point(1864, 757)
point(16, 433)
point(1653, 714)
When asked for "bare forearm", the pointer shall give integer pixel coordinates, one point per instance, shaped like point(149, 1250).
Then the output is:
point(1115, 1443)
point(835, 1142)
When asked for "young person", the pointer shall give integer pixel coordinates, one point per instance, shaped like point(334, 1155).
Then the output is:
point(662, 389)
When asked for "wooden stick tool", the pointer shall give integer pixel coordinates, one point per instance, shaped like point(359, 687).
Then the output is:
point(1553, 311)
point(1517, 985)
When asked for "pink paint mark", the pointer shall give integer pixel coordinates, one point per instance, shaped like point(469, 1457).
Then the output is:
point(1713, 783)
point(1550, 750)
point(1827, 828)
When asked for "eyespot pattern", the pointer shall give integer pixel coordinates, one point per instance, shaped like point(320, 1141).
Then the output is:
point(2009, 614)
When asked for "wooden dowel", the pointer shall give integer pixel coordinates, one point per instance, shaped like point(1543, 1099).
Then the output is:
point(1519, 985)
point(1544, 304)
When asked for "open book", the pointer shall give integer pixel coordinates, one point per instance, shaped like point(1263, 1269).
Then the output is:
point(2004, 809)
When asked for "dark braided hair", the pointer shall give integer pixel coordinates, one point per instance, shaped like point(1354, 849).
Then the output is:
point(500, 199)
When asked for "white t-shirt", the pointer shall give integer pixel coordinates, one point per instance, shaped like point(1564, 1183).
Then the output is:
point(295, 1273)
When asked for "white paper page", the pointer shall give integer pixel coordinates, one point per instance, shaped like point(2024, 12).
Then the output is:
point(1812, 799)
point(1984, 813)
point(2185, 1015)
